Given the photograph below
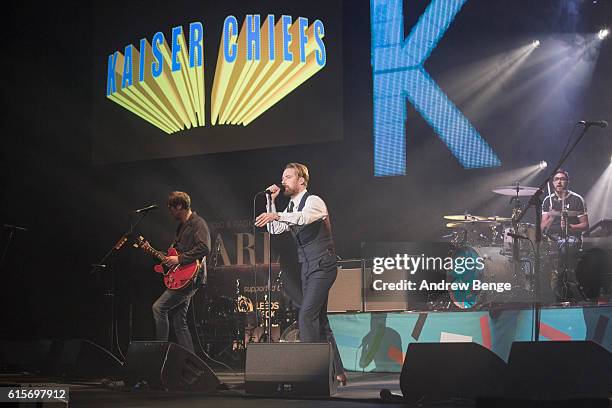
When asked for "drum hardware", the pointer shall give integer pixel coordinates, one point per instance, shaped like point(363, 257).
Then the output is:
point(464, 217)
point(500, 220)
point(502, 242)
point(566, 213)
point(482, 232)
point(474, 224)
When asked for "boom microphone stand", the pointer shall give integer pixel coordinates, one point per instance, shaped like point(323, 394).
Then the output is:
point(536, 202)
point(111, 292)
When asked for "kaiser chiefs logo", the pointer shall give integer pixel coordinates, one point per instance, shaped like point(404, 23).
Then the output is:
point(257, 66)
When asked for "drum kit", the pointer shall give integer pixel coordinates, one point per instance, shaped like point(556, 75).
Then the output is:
point(506, 247)
point(227, 324)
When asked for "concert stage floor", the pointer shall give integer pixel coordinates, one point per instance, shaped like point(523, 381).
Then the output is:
point(363, 390)
point(373, 346)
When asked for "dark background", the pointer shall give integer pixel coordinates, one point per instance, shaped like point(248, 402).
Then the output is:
point(75, 210)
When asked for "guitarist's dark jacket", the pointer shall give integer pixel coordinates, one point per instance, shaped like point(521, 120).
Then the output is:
point(193, 241)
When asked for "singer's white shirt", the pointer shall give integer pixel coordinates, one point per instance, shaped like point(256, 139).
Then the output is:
point(314, 210)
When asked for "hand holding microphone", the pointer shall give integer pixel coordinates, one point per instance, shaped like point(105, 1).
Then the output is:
point(273, 191)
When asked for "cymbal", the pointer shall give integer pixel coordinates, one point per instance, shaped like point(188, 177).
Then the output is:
point(465, 217)
point(455, 225)
point(569, 213)
point(471, 224)
point(512, 190)
point(500, 219)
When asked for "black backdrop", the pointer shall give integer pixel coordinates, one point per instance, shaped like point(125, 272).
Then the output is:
point(75, 210)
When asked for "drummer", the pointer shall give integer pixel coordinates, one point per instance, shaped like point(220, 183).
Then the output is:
point(564, 220)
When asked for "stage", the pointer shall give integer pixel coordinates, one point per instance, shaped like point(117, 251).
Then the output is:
point(184, 180)
point(363, 390)
point(385, 335)
point(373, 348)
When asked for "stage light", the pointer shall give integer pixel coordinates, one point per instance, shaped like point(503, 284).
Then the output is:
point(603, 33)
point(543, 165)
point(535, 43)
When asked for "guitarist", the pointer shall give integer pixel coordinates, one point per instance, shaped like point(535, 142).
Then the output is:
point(192, 243)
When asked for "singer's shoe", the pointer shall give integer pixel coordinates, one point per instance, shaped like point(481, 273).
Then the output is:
point(342, 379)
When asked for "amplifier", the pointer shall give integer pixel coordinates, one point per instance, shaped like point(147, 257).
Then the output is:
point(345, 294)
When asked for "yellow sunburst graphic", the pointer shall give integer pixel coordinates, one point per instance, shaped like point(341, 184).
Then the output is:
point(163, 85)
point(163, 81)
point(261, 65)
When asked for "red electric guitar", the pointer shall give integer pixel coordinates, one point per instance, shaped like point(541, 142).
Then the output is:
point(176, 276)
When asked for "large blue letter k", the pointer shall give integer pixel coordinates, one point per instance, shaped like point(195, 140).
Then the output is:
point(398, 73)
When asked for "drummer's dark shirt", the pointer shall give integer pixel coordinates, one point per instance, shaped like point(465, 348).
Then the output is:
point(573, 202)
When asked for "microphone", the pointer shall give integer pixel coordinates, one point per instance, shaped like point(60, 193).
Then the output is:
point(282, 188)
point(598, 123)
point(147, 208)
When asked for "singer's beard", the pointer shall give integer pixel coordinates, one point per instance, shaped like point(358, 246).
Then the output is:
point(288, 192)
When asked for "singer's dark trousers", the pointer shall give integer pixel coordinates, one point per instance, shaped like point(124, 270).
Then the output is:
point(318, 276)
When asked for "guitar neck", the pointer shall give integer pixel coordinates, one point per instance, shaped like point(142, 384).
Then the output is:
point(152, 251)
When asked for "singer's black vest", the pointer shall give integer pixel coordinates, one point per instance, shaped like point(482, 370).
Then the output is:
point(313, 240)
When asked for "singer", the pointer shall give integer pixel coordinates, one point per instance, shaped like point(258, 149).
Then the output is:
point(307, 219)
point(192, 242)
point(564, 220)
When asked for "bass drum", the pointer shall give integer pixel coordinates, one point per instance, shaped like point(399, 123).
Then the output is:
point(488, 266)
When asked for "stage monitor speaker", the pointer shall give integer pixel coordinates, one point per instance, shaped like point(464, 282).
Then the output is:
point(82, 359)
point(289, 369)
point(559, 370)
point(439, 371)
point(345, 294)
point(168, 366)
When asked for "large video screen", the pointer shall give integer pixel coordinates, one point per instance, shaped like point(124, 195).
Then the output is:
point(186, 78)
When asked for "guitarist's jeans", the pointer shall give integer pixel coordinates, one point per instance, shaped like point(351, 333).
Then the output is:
point(176, 301)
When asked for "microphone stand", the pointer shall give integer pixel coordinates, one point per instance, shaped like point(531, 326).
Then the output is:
point(536, 202)
point(268, 301)
point(269, 304)
point(101, 264)
point(516, 211)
